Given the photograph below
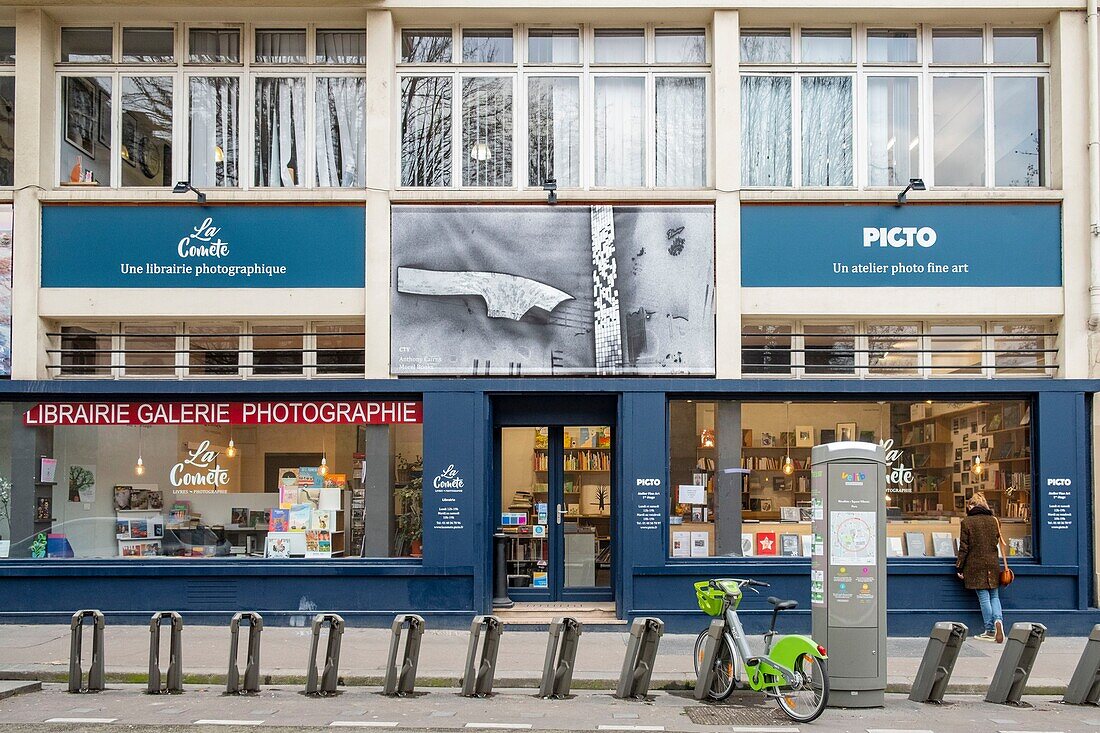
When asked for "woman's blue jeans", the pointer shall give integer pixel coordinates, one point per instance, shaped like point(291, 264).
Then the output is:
point(990, 601)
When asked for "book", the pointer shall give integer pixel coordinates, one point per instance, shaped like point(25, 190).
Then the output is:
point(330, 498)
point(318, 543)
point(309, 477)
point(260, 518)
point(788, 545)
point(336, 481)
point(943, 544)
point(288, 477)
point(238, 516)
point(156, 500)
point(280, 520)
point(276, 547)
point(139, 499)
point(139, 529)
point(311, 496)
point(299, 517)
point(766, 543)
point(47, 470)
point(700, 544)
point(747, 545)
point(894, 547)
point(788, 514)
point(807, 545)
point(122, 497)
point(43, 511)
point(122, 529)
point(323, 519)
point(681, 544)
point(914, 544)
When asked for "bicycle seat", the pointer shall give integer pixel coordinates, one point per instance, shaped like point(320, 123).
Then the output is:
point(782, 605)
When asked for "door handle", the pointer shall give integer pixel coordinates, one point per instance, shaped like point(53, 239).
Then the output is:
point(561, 513)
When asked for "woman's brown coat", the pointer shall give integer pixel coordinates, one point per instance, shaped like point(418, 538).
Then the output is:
point(977, 560)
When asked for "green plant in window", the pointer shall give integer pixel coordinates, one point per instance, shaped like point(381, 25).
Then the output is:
point(410, 522)
point(5, 499)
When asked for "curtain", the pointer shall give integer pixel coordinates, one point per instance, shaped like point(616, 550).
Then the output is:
point(765, 131)
point(827, 131)
point(893, 133)
point(214, 131)
point(340, 147)
point(619, 136)
point(215, 45)
point(681, 132)
point(280, 129)
point(553, 130)
point(487, 131)
point(341, 47)
point(280, 47)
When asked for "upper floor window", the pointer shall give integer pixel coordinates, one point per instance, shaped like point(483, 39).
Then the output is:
point(7, 45)
point(148, 45)
point(7, 107)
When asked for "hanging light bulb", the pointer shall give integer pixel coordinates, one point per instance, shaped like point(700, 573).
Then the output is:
point(219, 154)
point(231, 451)
point(977, 467)
point(788, 466)
point(323, 469)
point(139, 468)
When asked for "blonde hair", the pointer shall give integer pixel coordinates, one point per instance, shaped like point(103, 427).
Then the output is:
point(978, 499)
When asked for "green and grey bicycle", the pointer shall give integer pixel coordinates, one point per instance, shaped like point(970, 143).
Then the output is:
point(791, 670)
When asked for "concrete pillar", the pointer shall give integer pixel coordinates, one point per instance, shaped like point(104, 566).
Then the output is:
point(380, 163)
point(727, 181)
point(378, 481)
point(727, 488)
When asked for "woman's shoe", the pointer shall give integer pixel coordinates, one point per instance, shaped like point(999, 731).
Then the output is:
point(999, 632)
point(986, 636)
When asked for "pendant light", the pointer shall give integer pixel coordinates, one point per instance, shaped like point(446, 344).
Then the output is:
point(977, 467)
point(323, 468)
point(139, 468)
point(231, 451)
point(788, 467)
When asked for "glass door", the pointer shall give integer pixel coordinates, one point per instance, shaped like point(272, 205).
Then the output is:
point(585, 512)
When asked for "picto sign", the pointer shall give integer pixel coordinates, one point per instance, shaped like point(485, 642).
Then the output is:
point(225, 413)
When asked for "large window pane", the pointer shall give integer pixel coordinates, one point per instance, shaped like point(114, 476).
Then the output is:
point(550, 46)
point(213, 350)
point(766, 349)
point(85, 144)
point(1017, 46)
point(148, 45)
point(277, 350)
point(146, 146)
point(830, 349)
point(340, 144)
point(487, 46)
point(956, 349)
point(7, 130)
point(280, 131)
point(214, 131)
point(958, 129)
point(892, 46)
point(214, 46)
point(893, 349)
point(553, 130)
point(826, 46)
point(7, 45)
point(149, 350)
point(85, 351)
point(957, 46)
point(682, 131)
point(1018, 131)
point(341, 47)
point(680, 46)
point(340, 349)
point(765, 46)
point(426, 131)
point(619, 137)
point(619, 46)
point(1019, 348)
point(893, 130)
point(827, 131)
point(280, 46)
point(86, 45)
point(427, 46)
point(487, 131)
point(766, 131)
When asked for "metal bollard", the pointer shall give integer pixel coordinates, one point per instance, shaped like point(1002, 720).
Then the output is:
point(1021, 648)
point(402, 681)
point(710, 650)
point(1084, 686)
point(645, 635)
point(95, 681)
point(561, 655)
point(251, 683)
point(174, 682)
point(938, 662)
point(477, 681)
point(500, 571)
point(330, 676)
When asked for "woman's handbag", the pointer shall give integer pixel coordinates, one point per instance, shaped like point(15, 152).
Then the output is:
point(1006, 575)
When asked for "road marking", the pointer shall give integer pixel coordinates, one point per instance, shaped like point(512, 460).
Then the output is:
point(216, 721)
point(1030, 731)
point(362, 724)
point(898, 730)
point(763, 729)
point(499, 726)
point(81, 720)
point(630, 727)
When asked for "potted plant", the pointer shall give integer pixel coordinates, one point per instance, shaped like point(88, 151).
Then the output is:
point(410, 522)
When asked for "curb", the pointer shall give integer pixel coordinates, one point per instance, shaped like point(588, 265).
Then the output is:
point(23, 689)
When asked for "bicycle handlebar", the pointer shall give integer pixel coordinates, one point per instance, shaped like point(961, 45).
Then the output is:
point(743, 581)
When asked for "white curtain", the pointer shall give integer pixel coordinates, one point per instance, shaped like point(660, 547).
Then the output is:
point(214, 131)
point(280, 129)
point(554, 130)
point(487, 131)
point(341, 47)
point(827, 131)
point(215, 45)
point(893, 136)
point(765, 131)
point(619, 133)
point(340, 147)
point(280, 46)
point(681, 132)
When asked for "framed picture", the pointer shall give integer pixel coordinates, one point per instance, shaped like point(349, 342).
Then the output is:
point(804, 436)
point(103, 118)
point(985, 443)
point(129, 148)
point(958, 454)
point(80, 115)
point(960, 503)
point(828, 436)
point(867, 436)
point(845, 431)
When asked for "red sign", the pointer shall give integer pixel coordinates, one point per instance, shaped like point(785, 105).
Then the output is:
point(224, 413)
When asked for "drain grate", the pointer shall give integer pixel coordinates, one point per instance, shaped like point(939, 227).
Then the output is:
point(735, 715)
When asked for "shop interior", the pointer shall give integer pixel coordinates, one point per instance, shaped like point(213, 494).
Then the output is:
point(938, 455)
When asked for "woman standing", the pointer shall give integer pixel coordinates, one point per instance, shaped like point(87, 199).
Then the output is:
point(977, 564)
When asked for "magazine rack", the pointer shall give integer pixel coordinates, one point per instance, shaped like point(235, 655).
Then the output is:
point(233, 684)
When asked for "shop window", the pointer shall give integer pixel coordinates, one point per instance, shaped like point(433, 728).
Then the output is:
point(827, 158)
point(148, 45)
point(426, 131)
point(277, 350)
point(893, 130)
point(7, 45)
point(341, 47)
point(765, 46)
point(427, 46)
point(487, 46)
point(280, 46)
point(619, 134)
point(202, 488)
point(830, 349)
point(150, 350)
point(145, 150)
point(888, 46)
point(957, 46)
point(340, 131)
point(766, 131)
point(85, 352)
point(1018, 131)
point(87, 45)
point(1017, 46)
point(619, 46)
point(487, 131)
point(214, 131)
point(553, 129)
point(553, 46)
point(826, 46)
point(766, 349)
point(682, 131)
point(940, 454)
point(213, 351)
point(680, 46)
point(958, 128)
point(280, 131)
point(340, 349)
point(85, 142)
point(214, 46)
point(7, 130)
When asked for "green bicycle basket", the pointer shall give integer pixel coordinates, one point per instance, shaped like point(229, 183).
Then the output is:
point(710, 599)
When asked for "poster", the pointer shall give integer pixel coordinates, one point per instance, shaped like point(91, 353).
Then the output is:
point(691, 494)
point(852, 538)
point(81, 484)
point(552, 290)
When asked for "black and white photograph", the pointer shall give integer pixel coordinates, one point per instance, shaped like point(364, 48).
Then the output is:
point(81, 113)
point(562, 290)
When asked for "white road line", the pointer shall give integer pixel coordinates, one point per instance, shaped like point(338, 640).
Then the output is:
point(630, 727)
point(362, 724)
point(81, 720)
point(762, 729)
point(499, 726)
point(898, 730)
point(216, 721)
point(1030, 731)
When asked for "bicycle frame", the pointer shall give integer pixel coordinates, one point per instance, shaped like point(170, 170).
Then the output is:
point(768, 673)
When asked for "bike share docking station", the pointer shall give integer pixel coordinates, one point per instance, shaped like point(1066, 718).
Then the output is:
point(848, 569)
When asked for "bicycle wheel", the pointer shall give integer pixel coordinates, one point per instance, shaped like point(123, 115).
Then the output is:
point(806, 703)
point(727, 671)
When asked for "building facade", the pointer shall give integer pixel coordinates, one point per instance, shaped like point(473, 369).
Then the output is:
point(310, 302)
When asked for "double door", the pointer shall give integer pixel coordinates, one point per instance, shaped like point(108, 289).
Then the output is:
point(556, 510)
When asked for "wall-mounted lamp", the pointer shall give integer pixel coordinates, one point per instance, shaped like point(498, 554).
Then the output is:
point(551, 188)
point(915, 184)
point(185, 186)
